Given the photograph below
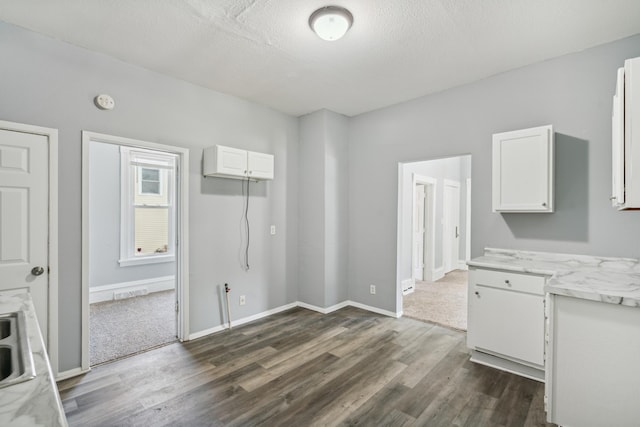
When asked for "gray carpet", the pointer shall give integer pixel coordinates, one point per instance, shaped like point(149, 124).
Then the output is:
point(129, 326)
point(443, 302)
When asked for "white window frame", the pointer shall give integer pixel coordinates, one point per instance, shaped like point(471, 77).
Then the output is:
point(140, 179)
point(140, 157)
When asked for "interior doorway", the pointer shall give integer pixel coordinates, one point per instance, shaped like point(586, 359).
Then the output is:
point(434, 230)
point(134, 239)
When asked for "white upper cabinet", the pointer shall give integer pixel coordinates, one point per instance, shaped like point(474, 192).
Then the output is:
point(523, 170)
point(625, 137)
point(228, 162)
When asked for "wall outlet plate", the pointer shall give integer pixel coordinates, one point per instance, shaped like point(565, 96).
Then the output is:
point(372, 289)
point(243, 300)
point(104, 102)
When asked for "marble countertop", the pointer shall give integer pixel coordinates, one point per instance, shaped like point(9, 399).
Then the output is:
point(610, 280)
point(35, 402)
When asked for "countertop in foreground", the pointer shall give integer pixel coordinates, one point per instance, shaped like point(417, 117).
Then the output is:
point(35, 402)
point(610, 280)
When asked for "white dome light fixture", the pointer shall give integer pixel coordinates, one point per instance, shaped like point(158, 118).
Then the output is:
point(331, 22)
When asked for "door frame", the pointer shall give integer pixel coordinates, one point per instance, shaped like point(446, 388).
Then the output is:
point(182, 231)
point(428, 256)
point(445, 217)
point(52, 248)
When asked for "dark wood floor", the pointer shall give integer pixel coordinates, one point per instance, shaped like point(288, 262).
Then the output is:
point(301, 368)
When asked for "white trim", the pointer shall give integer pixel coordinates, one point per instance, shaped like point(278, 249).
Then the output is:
point(144, 260)
point(462, 265)
point(182, 240)
point(321, 310)
point(52, 308)
point(65, 375)
point(438, 273)
point(445, 218)
point(242, 321)
point(326, 310)
point(377, 310)
point(467, 230)
point(107, 292)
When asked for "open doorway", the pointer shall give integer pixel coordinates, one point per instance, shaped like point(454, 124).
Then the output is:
point(132, 220)
point(434, 237)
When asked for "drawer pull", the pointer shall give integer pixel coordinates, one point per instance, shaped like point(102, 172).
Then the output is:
point(507, 282)
point(477, 293)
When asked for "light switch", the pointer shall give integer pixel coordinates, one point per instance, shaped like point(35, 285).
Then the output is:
point(273, 230)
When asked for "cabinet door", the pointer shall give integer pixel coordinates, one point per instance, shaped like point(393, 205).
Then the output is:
point(617, 143)
point(260, 165)
point(523, 170)
point(231, 161)
point(507, 323)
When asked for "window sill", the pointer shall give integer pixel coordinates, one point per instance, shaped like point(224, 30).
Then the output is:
point(153, 259)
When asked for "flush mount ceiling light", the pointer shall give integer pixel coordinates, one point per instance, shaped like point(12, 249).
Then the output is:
point(331, 22)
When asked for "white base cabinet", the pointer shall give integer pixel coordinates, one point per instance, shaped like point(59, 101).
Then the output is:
point(507, 320)
point(593, 376)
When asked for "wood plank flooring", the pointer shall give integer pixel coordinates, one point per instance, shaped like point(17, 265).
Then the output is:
point(301, 368)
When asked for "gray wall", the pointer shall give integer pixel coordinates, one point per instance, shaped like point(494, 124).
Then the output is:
point(104, 224)
point(453, 168)
point(323, 208)
point(573, 93)
point(49, 83)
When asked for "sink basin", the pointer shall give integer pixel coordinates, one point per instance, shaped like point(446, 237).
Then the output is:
point(16, 361)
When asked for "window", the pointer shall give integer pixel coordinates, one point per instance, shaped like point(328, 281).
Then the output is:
point(148, 208)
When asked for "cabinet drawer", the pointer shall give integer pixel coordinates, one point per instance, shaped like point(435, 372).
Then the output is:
point(507, 280)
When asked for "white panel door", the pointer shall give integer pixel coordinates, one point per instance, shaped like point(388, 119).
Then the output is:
point(24, 212)
point(419, 232)
point(451, 225)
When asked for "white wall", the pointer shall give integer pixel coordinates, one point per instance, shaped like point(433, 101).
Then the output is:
point(49, 83)
point(573, 93)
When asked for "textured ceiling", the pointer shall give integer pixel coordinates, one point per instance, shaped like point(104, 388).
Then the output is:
point(264, 51)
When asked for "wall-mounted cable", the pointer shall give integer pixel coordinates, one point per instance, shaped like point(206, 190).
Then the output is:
point(245, 217)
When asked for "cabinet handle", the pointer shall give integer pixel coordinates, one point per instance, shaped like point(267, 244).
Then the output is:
point(477, 293)
point(507, 282)
point(544, 204)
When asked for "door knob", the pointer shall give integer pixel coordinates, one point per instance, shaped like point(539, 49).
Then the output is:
point(37, 271)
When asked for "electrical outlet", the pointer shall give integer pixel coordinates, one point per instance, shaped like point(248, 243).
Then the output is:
point(243, 300)
point(372, 289)
point(273, 230)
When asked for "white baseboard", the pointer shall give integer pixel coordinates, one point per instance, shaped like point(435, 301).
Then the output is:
point(438, 273)
point(462, 265)
point(71, 373)
point(242, 321)
point(108, 292)
point(327, 310)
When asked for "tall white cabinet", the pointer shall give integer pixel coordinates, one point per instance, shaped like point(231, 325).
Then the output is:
point(523, 163)
point(625, 138)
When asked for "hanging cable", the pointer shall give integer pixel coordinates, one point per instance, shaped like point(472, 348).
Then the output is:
point(245, 217)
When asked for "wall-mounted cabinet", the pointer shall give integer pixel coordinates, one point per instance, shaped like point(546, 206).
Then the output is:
point(523, 163)
point(625, 127)
point(228, 162)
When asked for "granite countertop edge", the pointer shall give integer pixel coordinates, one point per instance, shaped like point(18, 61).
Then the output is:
point(35, 402)
point(604, 279)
